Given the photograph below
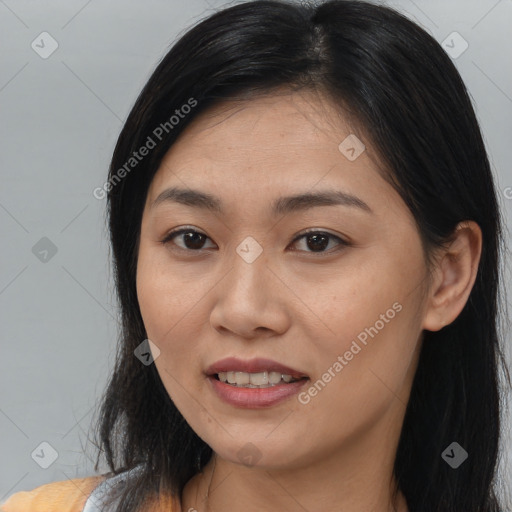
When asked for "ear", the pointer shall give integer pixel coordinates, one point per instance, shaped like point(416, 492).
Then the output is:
point(453, 277)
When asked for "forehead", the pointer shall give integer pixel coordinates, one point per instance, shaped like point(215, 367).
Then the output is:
point(278, 136)
point(255, 150)
point(264, 124)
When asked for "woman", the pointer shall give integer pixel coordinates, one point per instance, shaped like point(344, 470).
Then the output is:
point(306, 243)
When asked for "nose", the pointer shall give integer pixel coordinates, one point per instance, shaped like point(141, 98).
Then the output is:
point(250, 301)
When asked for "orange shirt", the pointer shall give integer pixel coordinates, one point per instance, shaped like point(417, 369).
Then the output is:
point(65, 496)
point(68, 496)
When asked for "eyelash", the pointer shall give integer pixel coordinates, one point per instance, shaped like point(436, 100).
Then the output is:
point(342, 243)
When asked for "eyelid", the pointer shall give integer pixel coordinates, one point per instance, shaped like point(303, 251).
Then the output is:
point(320, 231)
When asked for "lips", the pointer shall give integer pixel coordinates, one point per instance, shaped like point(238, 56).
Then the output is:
point(267, 390)
point(257, 365)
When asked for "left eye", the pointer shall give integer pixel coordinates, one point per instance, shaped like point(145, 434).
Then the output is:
point(316, 241)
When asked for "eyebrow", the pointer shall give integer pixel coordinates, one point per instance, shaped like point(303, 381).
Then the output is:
point(280, 206)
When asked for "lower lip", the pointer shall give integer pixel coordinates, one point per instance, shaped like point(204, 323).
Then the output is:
point(255, 398)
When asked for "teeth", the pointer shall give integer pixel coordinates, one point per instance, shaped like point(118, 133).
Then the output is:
point(274, 377)
point(242, 379)
point(259, 379)
point(254, 380)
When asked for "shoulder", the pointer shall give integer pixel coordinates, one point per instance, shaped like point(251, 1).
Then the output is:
point(64, 496)
point(84, 495)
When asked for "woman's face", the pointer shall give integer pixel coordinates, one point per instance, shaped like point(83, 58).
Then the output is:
point(342, 307)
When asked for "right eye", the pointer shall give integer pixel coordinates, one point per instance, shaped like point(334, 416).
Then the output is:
point(191, 239)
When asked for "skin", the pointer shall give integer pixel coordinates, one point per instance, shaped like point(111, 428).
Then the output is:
point(294, 305)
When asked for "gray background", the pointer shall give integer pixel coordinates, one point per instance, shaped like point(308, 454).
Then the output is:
point(60, 118)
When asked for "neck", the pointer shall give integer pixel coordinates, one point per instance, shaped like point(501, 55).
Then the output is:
point(358, 478)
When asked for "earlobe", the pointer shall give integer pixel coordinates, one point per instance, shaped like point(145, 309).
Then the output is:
point(454, 276)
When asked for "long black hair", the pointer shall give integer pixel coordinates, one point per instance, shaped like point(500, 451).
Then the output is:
point(402, 91)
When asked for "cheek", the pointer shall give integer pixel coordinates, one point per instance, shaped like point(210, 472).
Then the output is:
point(365, 371)
point(370, 316)
point(164, 294)
point(168, 305)
point(172, 303)
point(355, 295)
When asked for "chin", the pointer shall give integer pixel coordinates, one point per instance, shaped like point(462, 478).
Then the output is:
point(260, 454)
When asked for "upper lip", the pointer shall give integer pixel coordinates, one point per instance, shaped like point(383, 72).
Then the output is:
point(257, 365)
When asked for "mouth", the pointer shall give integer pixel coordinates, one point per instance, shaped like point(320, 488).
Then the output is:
point(254, 383)
point(254, 373)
